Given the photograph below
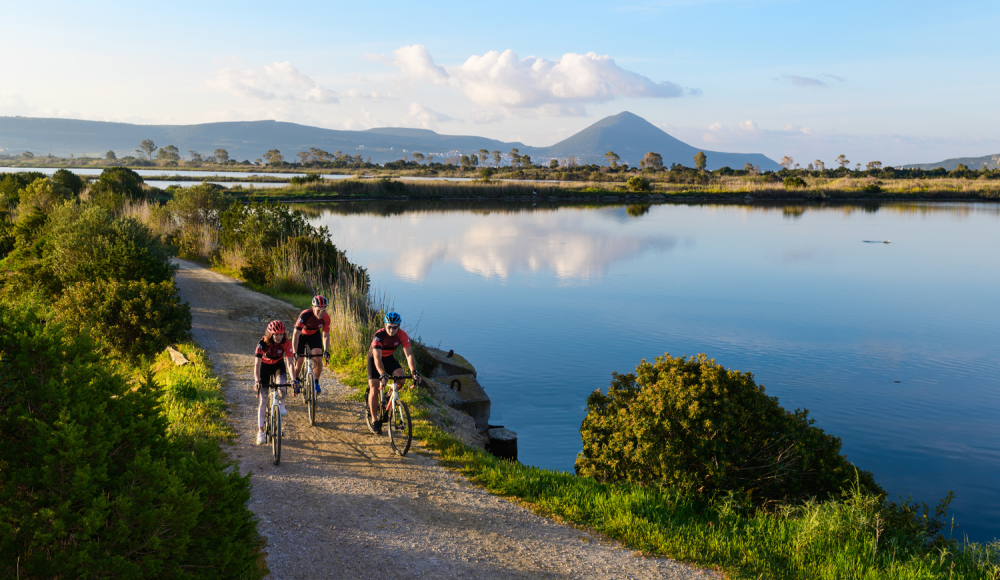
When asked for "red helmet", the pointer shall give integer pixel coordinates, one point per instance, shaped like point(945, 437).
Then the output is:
point(276, 327)
point(319, 301)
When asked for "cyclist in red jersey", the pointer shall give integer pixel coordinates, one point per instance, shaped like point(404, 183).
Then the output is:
point(381, 362)
point(311, 324)
point(274, 356)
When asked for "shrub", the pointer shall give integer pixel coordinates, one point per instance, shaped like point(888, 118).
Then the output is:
point(637, 183)
point(136, 318)
point(44, 194)
point(304, 179)
point(197, 205)
point(321, 255)
point(693, 425)
point(69, 180)
point(115, 186)
point(872, 188)
point(91, 486)
point(794, 182)
point(261, 225)
point(11, 185)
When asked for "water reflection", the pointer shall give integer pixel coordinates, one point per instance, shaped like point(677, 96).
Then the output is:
point(575, 245)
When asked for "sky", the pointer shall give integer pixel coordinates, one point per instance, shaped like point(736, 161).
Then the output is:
point(896, 82)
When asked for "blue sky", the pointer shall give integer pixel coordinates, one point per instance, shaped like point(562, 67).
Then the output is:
point(897, 82)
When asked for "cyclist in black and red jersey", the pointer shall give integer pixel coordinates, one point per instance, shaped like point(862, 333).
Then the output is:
point(274, 356)
point(312, 323)
point(381, 362)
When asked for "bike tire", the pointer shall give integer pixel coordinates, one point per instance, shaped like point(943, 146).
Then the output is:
point(400, 428)
point(311, 401)
point(276, 434)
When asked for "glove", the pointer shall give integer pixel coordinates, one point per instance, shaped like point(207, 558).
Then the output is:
point(384, 379)
point(256, 387)
point(416, 377)
point(326, 356)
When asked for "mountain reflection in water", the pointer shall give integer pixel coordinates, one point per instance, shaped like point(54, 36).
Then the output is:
point(892, 347)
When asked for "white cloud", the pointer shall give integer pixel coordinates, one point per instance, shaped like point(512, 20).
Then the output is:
point(424, 117)
point(802, 81)
point(13, 104)
point(367, 121)
point(551, 88)
point(280, 81)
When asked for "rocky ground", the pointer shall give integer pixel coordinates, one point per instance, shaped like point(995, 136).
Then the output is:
point(342, 505)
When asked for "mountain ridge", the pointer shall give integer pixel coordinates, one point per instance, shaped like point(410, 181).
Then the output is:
point(627, 134)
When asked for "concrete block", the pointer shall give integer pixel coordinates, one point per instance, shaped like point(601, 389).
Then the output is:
point(450, 366)
point(463, 392)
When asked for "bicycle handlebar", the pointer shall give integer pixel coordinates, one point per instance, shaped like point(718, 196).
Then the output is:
point(307, 355)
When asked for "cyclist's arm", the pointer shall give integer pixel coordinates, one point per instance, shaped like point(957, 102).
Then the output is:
point(326, 341)
point(295, 339)
point(256, 369)
point(377, 358)
point(408, 351)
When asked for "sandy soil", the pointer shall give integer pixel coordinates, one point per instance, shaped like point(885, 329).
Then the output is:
point(342, 505)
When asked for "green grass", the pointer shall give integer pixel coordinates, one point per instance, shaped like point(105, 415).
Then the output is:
point(191, 395)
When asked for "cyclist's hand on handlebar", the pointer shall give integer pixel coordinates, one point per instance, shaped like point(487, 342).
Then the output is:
point(256, 386)
point(416, 378)
point(384, 379)
point(326, 356)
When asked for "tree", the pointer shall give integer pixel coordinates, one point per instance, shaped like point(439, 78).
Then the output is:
point(553, 163)
point(571, 161)
point(110, 156)
point(748, 167)
point(843, 161)
point(525, 160)
point(613, 159)
point(484, 155)
point(303, 156)
point(515, 158)
point(68, 179)
point(820, 166)
point(274, 157)
point(168, 153)
point(496, 158)
point(786, 162)
point(27, 155)
point(700, 160)
point(148, 147)
point(466, 162)
point(320, 155)
point(876, 165)
point(651, 160)
point(221, 156)
point(418, 157)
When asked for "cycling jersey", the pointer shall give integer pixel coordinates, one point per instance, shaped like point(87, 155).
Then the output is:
point(309, 324)
point(273, 353)
point(389, 344)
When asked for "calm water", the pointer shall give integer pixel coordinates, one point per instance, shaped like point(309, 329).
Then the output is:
point(166, 171)
point(892, 347)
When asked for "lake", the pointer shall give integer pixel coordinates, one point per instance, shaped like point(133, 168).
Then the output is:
point(893, 347)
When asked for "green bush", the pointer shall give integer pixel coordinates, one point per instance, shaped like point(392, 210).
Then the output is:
point(135, 318)
point(43, 194)
point(11, 185)
point(91, 486)
point(794, 182)
point(262, 225)
point(69, 180)
point(115, 186)
point(637, 183)
point(690, 424)
point(197, 205)
point(304, 179)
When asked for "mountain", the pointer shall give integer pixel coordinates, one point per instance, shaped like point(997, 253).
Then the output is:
point(987, 161)
point(631, 137)
point(628, 135)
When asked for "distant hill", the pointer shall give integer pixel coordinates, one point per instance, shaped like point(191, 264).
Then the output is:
point(626, 134)
point(631, 137)
point(986, 161)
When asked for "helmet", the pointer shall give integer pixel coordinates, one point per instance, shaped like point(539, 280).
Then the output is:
point(319, 301)
point(276, 327)
point(392, 318)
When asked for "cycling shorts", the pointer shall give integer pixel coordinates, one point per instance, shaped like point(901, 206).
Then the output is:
point(389, 363)
point(309, 340)
point(268, 372)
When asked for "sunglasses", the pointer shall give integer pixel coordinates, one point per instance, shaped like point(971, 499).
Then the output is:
point(392, 326)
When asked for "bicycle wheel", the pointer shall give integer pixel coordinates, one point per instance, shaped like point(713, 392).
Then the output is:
point(276, 434)
point(400, 429)
point(311, 401)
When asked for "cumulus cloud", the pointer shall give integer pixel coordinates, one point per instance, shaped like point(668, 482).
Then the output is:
point(553, 88)
point(366, 121)
point(803, 81)
point(424, 117)
point(280, 81)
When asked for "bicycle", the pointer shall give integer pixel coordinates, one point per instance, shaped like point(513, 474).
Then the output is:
point(306, 379)
point(394, 413)
point(272, 420)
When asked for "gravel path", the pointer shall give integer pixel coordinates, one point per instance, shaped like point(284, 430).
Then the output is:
point(343, 505)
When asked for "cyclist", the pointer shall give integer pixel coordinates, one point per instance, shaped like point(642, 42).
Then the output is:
point(381, 362)
point(272, 348)
point(307, 334)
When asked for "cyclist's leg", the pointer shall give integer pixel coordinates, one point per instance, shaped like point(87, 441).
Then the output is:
point(374, 384)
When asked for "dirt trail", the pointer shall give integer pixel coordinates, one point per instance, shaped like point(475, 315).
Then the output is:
point(343, 505)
